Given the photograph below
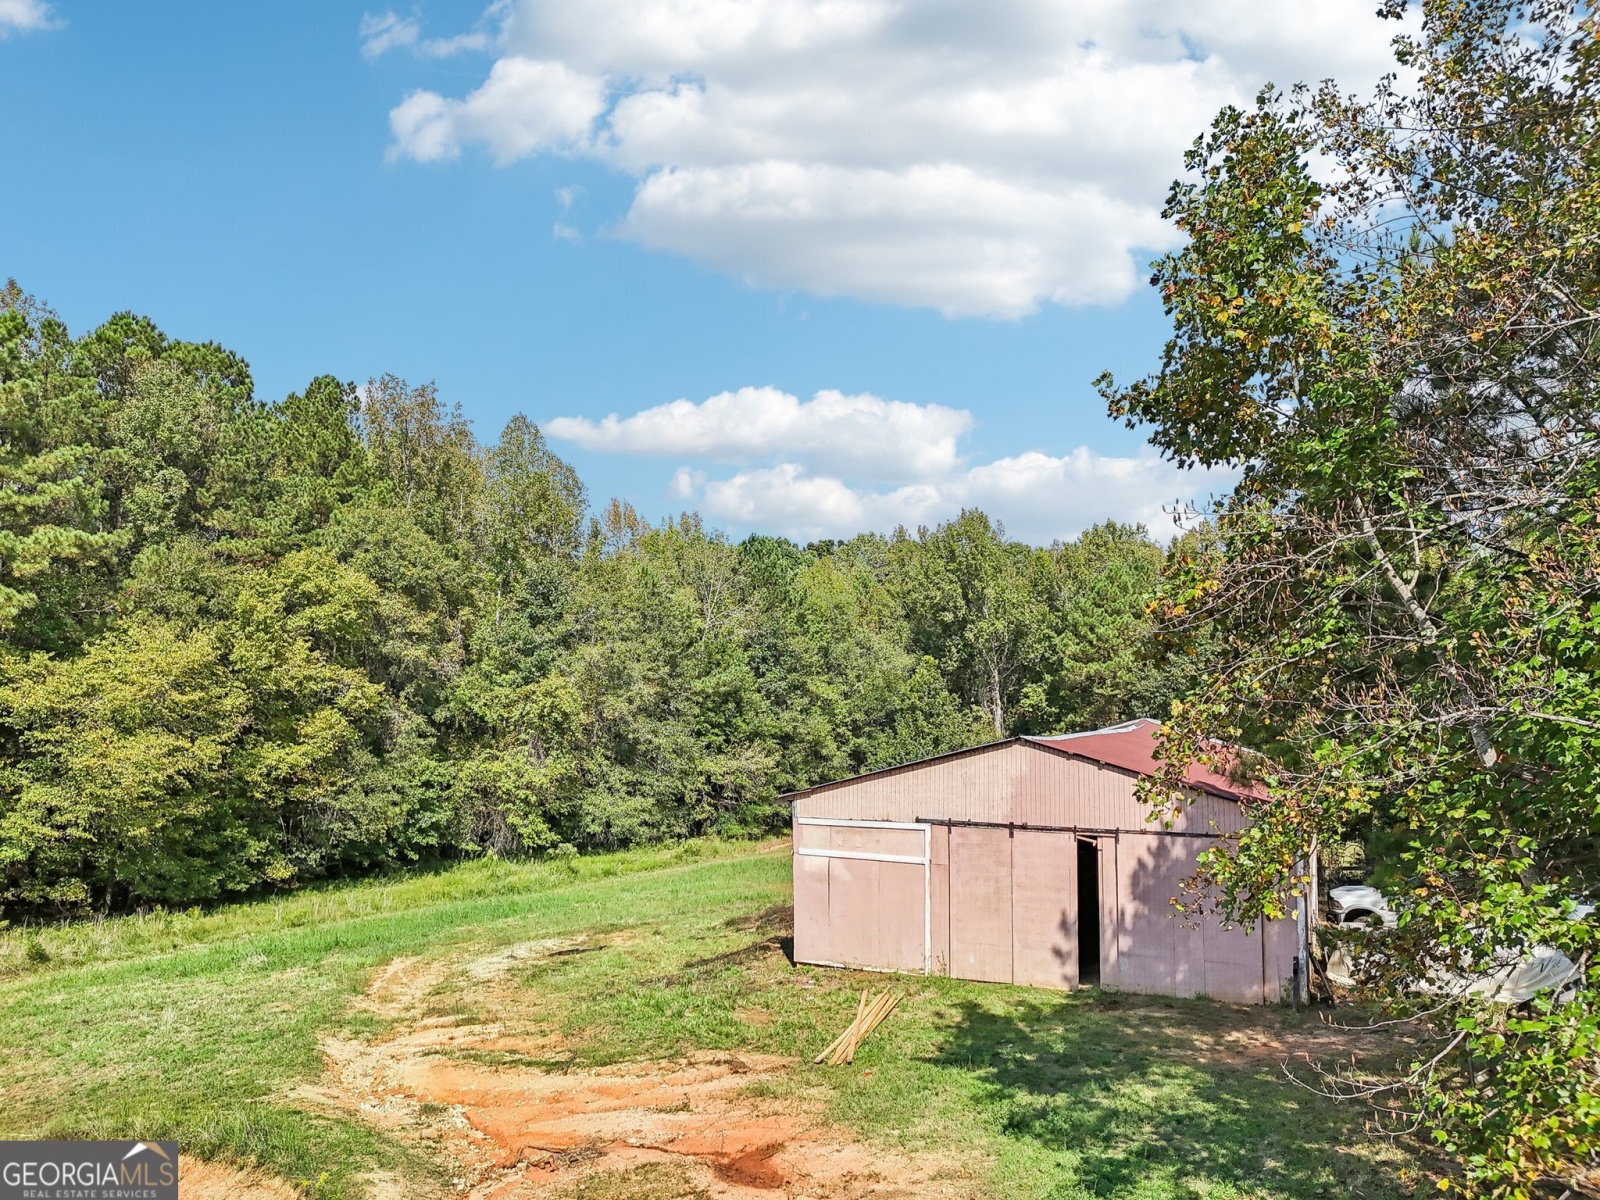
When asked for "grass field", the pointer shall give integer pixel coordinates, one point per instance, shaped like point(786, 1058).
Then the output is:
point(211, 1027)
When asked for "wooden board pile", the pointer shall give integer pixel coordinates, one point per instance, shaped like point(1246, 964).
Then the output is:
point(868, 1017)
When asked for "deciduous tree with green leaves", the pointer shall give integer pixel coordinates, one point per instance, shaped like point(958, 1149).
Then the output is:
point(967, 593)
point(1387, 314)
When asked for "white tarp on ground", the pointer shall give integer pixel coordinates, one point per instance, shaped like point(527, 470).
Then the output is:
point(1544, 969)
point(1519, 977)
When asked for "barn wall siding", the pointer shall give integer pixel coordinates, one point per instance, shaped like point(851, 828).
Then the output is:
point(1012, 783)
point(997, 901)
point(939, 896)
point(980, 904)
point(874, 914)
point(1044, 908)
point(1147, 947)
point(813, 941)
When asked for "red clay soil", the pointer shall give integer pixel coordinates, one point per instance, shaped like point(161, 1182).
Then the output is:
point(518, 1132)
point(200, 1180)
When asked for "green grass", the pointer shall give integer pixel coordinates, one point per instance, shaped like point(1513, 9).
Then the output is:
point(25, 948)
point(198, 1026)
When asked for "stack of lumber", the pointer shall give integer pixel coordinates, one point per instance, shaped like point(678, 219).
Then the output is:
point(869, 1015)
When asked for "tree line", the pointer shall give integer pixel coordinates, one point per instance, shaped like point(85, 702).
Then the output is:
point(251, 643)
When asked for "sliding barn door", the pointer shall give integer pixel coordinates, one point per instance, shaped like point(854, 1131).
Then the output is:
point(980, 904)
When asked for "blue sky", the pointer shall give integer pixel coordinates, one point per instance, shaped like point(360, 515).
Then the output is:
point(940, 211)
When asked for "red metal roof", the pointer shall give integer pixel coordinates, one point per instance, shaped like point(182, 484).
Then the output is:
point(1131, 746)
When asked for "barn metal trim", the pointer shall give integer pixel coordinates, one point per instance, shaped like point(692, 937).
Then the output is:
point(828, 785)
point(865, 856)
point(927, 899)
point(826, 962)
point(1088, 831)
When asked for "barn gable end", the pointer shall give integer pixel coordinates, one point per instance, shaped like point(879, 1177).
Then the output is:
point(1014, 782)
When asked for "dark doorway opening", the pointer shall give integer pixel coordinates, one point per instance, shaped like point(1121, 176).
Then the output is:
point(1088, 914)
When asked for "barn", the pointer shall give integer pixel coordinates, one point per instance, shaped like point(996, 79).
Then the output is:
point(1028, 861)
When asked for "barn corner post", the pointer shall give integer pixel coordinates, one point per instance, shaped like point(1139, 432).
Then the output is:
point(1297, 981)
point(1310, 908)
point(1300, 993)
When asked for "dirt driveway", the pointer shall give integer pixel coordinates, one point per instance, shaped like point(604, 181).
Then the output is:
point(697, 1126)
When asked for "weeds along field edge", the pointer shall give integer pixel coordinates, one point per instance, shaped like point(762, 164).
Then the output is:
point(32, 945)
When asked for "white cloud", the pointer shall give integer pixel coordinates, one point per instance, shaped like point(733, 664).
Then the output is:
point(785, 499)
point(447, 47)
point(386, 31)
point(1039, 497)
point(838, 464)
point(686, 482)
point(937, 235)
point(975, 156)
point(523, 107)
point(25, 16)
point(861, 436)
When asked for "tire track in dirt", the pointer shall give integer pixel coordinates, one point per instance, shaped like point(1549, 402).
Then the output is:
point(201, 1180)
point(517, 1131)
